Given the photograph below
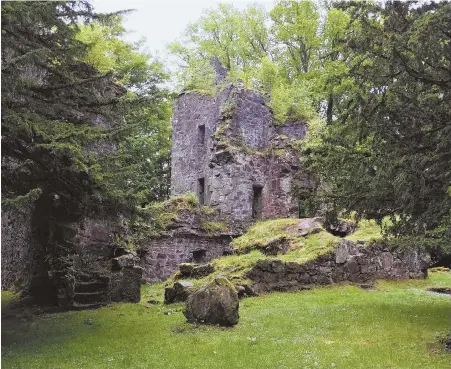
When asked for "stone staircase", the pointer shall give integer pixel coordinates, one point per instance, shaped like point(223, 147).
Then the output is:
point(90, 292)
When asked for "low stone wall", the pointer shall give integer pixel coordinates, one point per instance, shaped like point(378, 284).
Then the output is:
point(349, 262)
point(160, 257)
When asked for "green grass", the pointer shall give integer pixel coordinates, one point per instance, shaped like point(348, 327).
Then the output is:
point(395, 327)
point(264, 232)
point(367, 230)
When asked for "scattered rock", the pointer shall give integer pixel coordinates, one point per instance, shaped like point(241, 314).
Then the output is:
point(341, 227)
point(189, 270)
point(367, 286)
point(178, 293)
point(276, 246)
point(444, 290)
point(310, 226)
point(127, 260)
point(245, 291)
point(215, 303)
point(447, 344)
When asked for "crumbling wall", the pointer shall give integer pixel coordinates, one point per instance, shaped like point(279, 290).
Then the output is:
point(161, 257)
point(242, 150)
point(68, 263)
point(20, 249)
point(95, 270)
point(350, 262)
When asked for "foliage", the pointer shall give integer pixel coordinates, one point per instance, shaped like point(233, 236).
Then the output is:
point(388, 151)
point(396, 326)
point(69, 126)
point(291, 53)
point(24, 201)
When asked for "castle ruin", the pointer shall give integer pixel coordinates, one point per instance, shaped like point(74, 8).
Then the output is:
point(227, 150)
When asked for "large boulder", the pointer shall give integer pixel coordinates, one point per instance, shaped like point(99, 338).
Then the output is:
point(215, 303)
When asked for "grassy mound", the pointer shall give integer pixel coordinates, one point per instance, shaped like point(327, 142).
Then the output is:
point(251, 246)
point(400, 325)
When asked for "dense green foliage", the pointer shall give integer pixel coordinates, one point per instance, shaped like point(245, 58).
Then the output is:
point(287, 53)
point(388, 150)
point(83, 118)
point(372, 81)
point(397, 326)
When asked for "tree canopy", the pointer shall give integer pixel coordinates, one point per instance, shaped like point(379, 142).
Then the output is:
point(83, 117)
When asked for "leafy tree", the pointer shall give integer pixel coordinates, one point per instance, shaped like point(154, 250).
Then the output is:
point(66, 125)
point(388, 152)
point(138, 172)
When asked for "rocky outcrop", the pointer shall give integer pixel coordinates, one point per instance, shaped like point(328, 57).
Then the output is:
point(349, 262)
point(216, 303)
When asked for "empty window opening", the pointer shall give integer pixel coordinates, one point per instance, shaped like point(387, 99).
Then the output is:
point(199, 256)
point(201, 190)
point(301, 208)
point(201, 134)
point(257, 201)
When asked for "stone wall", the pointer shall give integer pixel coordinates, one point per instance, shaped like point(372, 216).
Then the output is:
point(242, 150)
point(95, 270)
point(73, 264)
point(20, 249)
point(160, 257)
point(350, 262)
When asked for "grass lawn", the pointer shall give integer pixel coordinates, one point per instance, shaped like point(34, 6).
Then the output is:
point(397, 326)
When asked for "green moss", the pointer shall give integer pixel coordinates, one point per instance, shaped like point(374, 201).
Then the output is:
point(214, 228)
point(367, 230)
point(312, 246)
point(224, 282)
point(263, 233)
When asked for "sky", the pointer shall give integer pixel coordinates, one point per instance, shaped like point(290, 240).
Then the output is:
point(162, 22)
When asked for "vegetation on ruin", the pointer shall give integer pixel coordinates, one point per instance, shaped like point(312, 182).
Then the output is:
point(399, 325)
point(157, 218)
point(71, 90)
point(378, 114)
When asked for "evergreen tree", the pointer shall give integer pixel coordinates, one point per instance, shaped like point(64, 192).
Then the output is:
point(388, 152)
point(69, 125)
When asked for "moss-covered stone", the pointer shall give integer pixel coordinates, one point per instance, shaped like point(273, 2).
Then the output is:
point(215, 303)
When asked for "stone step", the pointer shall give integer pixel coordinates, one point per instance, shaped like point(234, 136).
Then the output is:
point(78, 306)
point(89, 297)
point(90, 277)
point(96, 286)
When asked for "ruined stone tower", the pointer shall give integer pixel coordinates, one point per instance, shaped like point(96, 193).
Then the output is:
point(227, 150)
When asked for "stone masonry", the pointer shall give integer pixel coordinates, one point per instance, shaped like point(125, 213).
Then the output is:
point(349, 262)
point(228, 151)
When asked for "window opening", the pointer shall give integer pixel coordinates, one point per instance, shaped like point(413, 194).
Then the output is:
point(257, 201)
point(201, 190)
point(201, 134)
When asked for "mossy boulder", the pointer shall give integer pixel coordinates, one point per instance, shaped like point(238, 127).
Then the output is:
point(215, 303)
